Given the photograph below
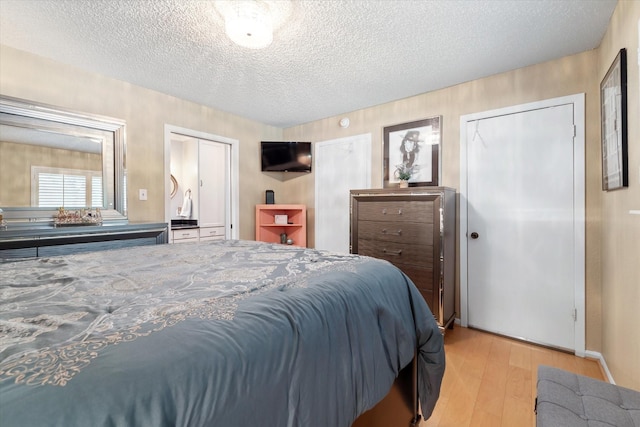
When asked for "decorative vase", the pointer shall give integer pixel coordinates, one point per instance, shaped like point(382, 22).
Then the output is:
point(404, 184)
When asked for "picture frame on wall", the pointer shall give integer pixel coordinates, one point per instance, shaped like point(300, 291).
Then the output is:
point(613, 111)
point(413, 146)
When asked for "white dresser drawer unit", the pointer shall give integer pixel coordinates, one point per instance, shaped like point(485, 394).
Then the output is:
point(211, 233)
point(184, 235)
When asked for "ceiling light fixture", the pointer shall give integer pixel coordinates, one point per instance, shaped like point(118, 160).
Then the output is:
point(248, 23)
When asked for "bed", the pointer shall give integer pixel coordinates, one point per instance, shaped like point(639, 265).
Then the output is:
point(223, 333)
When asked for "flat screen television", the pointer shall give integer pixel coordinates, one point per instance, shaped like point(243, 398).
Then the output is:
point(286, 156)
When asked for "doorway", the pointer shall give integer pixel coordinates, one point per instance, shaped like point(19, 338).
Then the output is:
point(211, 143)
point(341, 165)
point(522, 237)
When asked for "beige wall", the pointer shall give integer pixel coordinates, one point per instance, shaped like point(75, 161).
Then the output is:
point(612, 235)
point(620, 260)
point(31, 77)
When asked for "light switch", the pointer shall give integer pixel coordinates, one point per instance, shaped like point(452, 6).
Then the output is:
point(142, 194)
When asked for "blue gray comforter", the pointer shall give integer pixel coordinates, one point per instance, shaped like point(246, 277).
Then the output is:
point(225, 334)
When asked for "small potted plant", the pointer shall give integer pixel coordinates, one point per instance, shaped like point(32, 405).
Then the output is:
point(403, 173)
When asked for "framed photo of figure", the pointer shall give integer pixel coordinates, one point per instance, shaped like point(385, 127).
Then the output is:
point(613, 110)
point(412, 148)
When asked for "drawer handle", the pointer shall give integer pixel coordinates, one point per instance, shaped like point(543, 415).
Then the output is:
point(397, 233)
point(396, 253)
point(384, 211)
point(186, 234)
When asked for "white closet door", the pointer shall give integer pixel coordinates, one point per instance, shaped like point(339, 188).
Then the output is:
point(340, 165)
point(520, 219)
point(213, 169)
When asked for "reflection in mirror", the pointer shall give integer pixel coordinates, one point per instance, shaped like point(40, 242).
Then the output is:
point(174, 186)
point(51, 158)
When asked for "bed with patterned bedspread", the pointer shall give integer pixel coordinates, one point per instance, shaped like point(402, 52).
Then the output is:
point(227, 333)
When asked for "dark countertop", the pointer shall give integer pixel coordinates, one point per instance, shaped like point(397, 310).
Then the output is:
point(183, 223)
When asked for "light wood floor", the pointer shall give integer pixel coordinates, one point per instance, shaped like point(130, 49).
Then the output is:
point(491, 380)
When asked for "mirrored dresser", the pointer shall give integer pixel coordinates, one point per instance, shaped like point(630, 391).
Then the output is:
point(51, 241)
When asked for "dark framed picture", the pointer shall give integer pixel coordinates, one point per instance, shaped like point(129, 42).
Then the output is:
point(613, 111)
point(412, 150)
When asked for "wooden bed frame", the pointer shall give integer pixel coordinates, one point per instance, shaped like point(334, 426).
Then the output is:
point(399, 408)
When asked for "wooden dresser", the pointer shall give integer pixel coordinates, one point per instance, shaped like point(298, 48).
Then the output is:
point(413, 228)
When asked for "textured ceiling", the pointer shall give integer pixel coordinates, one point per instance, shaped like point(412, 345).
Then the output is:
point(327, 57)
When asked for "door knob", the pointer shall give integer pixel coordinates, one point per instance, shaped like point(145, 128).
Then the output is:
point(474, 235)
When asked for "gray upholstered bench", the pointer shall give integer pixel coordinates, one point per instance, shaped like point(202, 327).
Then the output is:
point(569, 400)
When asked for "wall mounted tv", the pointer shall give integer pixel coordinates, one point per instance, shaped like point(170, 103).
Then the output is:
point(289, 156)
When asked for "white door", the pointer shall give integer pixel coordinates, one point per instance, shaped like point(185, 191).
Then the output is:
point(214, 165)
point(523, 228)
point(214, 194)
point(340, 165)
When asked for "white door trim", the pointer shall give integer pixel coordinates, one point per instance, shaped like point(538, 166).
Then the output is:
point(578, 102)
point(235, 163)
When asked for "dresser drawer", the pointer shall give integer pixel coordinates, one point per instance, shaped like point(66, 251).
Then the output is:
point(424, 280)
point(211, 233)
point(206, 239)
point(394, 231)
point(396, 210)
point(398, 253)
point(185, 234)
point(19, 253)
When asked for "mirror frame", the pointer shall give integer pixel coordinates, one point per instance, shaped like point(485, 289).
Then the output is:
point(113, 156)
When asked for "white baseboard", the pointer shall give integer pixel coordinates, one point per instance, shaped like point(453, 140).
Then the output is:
point(603, 364)
point(589, 354)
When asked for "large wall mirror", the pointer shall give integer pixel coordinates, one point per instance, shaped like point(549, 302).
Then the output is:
point(52, 158)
